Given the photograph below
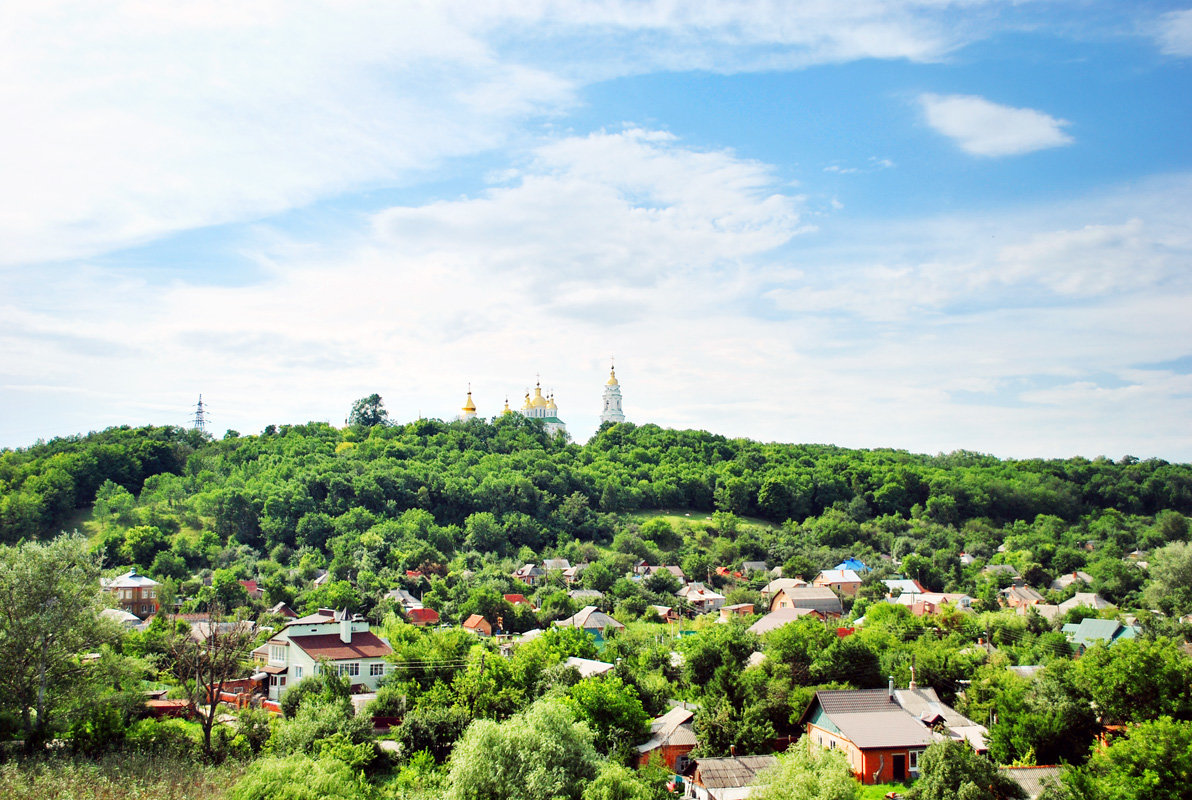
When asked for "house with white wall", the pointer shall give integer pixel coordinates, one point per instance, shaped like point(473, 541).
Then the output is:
point(327, 639)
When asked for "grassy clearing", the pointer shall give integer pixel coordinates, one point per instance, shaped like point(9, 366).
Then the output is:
point(879, 790)
point(118, 776)
point(696, 519)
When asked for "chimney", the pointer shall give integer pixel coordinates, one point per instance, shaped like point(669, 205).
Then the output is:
point(912, 685)
point(345, 630)
point(732, 750)
point(891, 688)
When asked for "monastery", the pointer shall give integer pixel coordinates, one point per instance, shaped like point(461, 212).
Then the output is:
point(543, 407)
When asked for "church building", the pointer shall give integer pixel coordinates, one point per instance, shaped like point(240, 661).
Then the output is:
point(543, 408)
point(612, 399)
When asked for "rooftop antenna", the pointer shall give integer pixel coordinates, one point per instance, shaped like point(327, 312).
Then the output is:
point(199, 422)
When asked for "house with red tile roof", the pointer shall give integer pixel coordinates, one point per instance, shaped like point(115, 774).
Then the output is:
point(327, 639)
point(478, 625)
point(422, 616)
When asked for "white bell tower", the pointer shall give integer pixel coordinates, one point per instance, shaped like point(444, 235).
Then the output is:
point(612, 399)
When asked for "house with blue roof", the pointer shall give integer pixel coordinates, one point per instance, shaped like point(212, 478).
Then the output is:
point(855, 564)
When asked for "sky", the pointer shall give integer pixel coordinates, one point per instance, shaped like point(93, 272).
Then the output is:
point(922, 224)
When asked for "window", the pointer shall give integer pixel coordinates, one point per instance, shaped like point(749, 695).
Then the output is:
point(351, 669)
point(913, 759)
point(376, 669)
point(298, 673)
point(277, 652)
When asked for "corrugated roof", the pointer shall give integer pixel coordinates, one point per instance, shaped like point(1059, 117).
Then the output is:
point(1033, 780)
point(364, 644)
point(722, 773)
point(776, 619)
point(887, 728)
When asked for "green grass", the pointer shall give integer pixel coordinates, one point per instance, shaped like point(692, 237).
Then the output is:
point(879, 790)
point(696, 519)
point(117, 776)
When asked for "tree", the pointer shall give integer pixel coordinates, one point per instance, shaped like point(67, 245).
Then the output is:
point(49, 616)
point(613, 711)
point(1137, 679)
point(616, 782)
point(950, 770)
point(368, 411)
point(807, 772)
point(540, 754)
point(1153, 761)
point(1171, 579)
point(206, 665)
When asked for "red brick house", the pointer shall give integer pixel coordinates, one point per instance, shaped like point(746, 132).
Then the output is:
point(134, 593)
point(672, 737)
point(883, 732)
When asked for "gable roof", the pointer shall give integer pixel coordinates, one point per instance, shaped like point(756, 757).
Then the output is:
point(1087, 599)
point(556, 563)
point(477, 622)
point(1033, 780)
point(904, 585)
point(422, 616)
point(1091, 630)
point(284, 610)
point(1066, 580)
point(821, 598)
point(672, 728)
point(728, 773)
point(589, 618)
point(855, 564)
point(364, 644)
point(588, 667)
point(838, 576)
point(776, 619)
point(778, 584)
point(877, 718)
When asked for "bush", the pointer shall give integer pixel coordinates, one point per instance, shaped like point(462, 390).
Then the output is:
point(300, 777)
point(176, 738)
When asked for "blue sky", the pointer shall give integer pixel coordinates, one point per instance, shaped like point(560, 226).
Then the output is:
point(929, 225)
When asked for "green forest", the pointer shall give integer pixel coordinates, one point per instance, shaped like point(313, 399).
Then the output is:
point(449, 511)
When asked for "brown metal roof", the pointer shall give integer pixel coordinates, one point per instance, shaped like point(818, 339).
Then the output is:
point(328, 645)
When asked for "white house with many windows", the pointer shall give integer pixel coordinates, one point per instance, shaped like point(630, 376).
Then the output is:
point(327, 639)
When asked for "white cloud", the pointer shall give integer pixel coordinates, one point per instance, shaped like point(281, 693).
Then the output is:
point(132, 120)
point(988, 129)
point(1174, 33)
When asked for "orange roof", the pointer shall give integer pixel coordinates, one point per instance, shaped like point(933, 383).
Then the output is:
point(329, 645)
point(514, 599)
point(478, 623)
point(422, 616)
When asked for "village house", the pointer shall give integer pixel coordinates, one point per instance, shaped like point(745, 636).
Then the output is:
point(1019, 595)
point(134, 593)
point(672, 737)
point(781, 617)
point(727, 613)
point(589, 668)
point(726, 778)
point(422, 617)
point(845, 581)
point(701, 598)
point(1066, 580)
point(478, 625)
point(778, 584)
point(934, 602)
point(1091, 630)
point(667, 613)
point(326, 640)
point(818, 598)
point(529, 574)
point(883, 732)
point(1086, 600)
point(592, 620)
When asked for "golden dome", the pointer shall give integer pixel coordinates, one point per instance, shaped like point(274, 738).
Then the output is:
point(539, 401)
point(507, 410)
point(612, 378)
point(469, 407)
point(526, 407)
point(550, 403)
